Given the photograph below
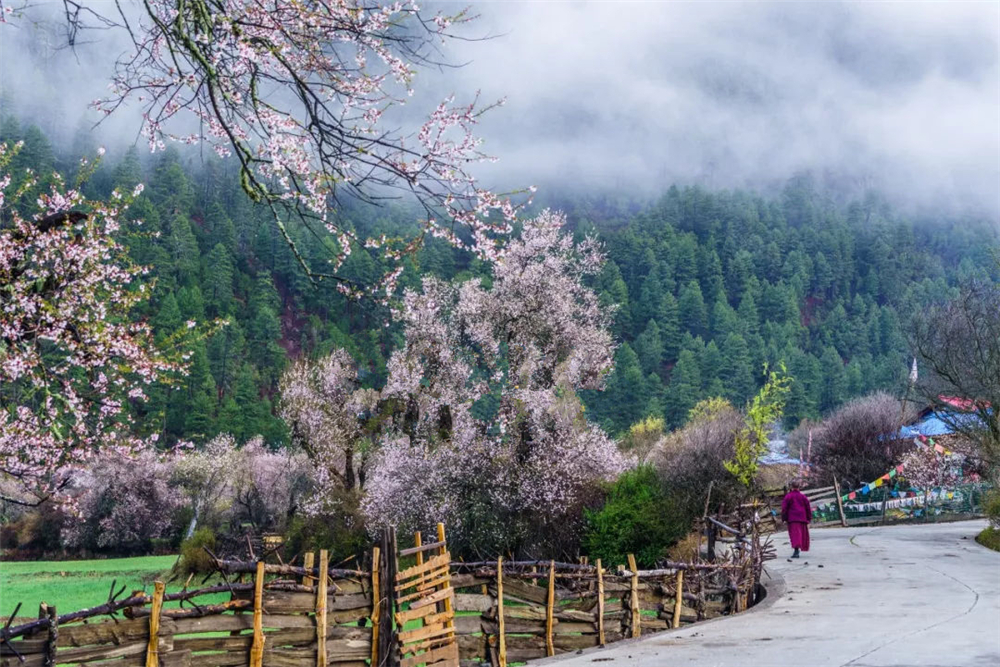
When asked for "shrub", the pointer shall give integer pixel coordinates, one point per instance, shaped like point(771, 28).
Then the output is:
point(637, 518)
point(643, 436)
point(341, 532)
point(990, 538)
point(857, 443)
point(991, 507)
point(37, 530)
point(194, 559)
point(688, 459)
point(125, 503)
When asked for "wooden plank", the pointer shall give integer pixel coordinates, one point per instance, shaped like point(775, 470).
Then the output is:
point(33, 660)
point(439, 596)
point(135, 661)
point(176, 659)
point(110, 632)
point(519, 590)
point(424, 633)
point(24, 646)
point(257, 647)
point(600, 602)
point(152, 658)
point(445, 653)
point(473, 602)
point(421, 548)
point(283, 602)
point(433, 563)
point(441, 577)
point(321, 600)
point(135, 649)
point(228, 659)
point(501, 630)
point(407, 615)
point(550, 604)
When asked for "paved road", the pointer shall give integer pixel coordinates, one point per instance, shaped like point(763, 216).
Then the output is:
point(863, 597)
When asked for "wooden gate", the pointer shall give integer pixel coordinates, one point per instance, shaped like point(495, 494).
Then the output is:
point(425, 589)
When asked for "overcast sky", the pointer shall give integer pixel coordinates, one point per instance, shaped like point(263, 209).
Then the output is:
point(904, 96)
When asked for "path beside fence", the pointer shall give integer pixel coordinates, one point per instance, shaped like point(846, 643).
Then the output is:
point(915, 595)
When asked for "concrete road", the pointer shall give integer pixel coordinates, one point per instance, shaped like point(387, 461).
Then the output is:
point(862, 597)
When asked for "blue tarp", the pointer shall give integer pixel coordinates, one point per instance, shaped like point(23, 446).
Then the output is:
point(933, 426)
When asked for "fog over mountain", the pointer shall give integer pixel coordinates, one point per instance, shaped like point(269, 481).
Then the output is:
point(903, 97)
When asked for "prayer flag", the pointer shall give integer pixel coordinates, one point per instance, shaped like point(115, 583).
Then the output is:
point(878, 482)
point(892, 473)
point(852, 495)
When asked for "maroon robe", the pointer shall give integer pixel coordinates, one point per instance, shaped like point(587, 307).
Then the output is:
point(797, 513)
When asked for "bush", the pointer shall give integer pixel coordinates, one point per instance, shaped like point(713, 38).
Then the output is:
point(340, 529)
point(991, 507)
point(858, 442)
point(637, 517)
point(990, 538)
point(688, 459)
point(194, 559)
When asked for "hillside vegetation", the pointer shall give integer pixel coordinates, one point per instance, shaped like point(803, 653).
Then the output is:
point(709, 286)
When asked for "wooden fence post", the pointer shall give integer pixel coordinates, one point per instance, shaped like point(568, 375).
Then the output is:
point(634, 598)
point(840, 503)
point(387, 606)
point(550, 610)
point(600, 603)
point(47, 612)
point(501, 631)
point(310, 559)
point(376, 604)
point(442, 550)
point(418, 541)
point(321, 589)
point(678, 600)
point(885, 499)
point(257, 647)
point(152, 648)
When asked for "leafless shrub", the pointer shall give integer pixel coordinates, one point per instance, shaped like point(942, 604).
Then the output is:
point(858, 442)
point(688, 459)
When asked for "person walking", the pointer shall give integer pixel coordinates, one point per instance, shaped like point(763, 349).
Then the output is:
point(797, 513)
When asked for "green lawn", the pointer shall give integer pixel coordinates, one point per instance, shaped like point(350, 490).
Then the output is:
point(76, 584)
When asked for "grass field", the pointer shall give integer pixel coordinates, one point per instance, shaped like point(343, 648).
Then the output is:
point(76, 584)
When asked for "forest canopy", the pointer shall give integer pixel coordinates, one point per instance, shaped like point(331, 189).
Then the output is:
point(707, 288)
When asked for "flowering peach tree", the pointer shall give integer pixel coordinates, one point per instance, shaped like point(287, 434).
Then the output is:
point(488, 434)
point(72, 357)
point(301, 93)
point(324, 407)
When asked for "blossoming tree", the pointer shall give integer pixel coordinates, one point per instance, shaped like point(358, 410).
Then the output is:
point(298, 92)
point(485, 431)
point(71, 355)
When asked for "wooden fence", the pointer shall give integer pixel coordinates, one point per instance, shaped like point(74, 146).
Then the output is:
point(280, 622)
point(517, 611)
point(435, 612)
